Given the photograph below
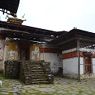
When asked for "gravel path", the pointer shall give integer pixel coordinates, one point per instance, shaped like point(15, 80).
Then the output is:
point(61, 86)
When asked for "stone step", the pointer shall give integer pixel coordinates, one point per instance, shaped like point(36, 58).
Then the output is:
point(35, 74)
point(33, 69)
point(32, 65)
point(39, 77)
point(38, 70)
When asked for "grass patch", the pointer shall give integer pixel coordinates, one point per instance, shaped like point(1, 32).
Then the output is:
point(2, 76)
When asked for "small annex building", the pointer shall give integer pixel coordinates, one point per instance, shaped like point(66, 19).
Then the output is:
point(78, 53)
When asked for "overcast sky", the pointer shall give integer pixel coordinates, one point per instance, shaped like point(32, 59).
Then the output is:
point(58, 15)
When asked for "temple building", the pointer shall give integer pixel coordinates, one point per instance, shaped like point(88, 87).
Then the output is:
point(20, 42)
point(63, 53)
point(73, 51)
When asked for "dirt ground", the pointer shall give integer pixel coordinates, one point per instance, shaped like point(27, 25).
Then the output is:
point(61, 86)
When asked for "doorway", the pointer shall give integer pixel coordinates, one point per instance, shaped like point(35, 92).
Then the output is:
point(87, 65)
point(24, 51)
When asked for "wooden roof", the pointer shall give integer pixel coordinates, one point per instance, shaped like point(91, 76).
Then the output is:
point(69, 39)
point(27, 32)
point(62, 39)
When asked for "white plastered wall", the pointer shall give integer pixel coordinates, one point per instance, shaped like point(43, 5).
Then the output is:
point(93, 65)
point(2, 42)
point(70, 66)
point(81, 65)
point(54, 60)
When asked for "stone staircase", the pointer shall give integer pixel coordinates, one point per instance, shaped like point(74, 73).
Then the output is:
point(35, 73)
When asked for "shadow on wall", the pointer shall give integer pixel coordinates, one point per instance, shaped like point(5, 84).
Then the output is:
point(56, 70)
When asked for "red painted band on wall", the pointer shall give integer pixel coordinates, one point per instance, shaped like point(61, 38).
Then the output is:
point(71, 55)
point(48, 50)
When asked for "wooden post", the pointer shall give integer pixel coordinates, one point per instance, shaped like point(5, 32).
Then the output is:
point(78, 54)
point(43, 51)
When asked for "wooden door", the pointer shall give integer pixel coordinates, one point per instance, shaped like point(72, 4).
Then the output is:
point(24, 51)
point(87, 65)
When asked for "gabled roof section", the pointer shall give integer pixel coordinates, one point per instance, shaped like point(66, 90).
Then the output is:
point(73, 35)
point(82, 33)
point(27, 32)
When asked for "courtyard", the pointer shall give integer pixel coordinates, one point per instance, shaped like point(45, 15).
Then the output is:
point(61, 86)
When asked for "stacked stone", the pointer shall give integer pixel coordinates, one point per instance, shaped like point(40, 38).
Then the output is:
point(34, 73)
point(12, 69)
point(29, 72)
point(24, 72)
